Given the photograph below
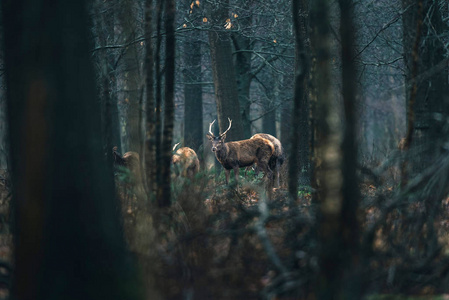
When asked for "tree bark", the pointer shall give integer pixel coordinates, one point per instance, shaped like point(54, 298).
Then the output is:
point(300, 103)
point(164, 190)
point(327, 159)
point(150, 153)
point(428, 98)
point(224, 75)
point(349, 232)
point(104, 29)
point(68, 241)
point(242, 45)
point(131, 96)
point(193, 94)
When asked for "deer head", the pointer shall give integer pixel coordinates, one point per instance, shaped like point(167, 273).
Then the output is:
point(217, 141)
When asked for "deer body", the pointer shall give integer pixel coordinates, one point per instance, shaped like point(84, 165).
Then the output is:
point(240, 154)
point(185, 162)
point(278, 157)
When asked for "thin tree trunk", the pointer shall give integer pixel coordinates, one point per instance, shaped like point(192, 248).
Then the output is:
point(300, 97)
point(158, 94)
point(164, 192)
point(150, 153)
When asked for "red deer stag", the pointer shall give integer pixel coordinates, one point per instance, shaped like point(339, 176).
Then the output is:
point(278, 157)
point(185, 162)
point(240, 154)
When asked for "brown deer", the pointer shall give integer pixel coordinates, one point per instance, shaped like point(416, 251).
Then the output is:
point(278, 157)
point(185, 162)
point(240, 154)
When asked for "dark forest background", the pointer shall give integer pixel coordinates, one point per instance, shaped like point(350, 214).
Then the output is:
point(94, 95)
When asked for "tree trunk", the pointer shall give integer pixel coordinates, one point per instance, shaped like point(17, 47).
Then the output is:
point(286, 117)
point(150, 153)
point(423, 50)
point(349, 232)
point(131, 96)
point(3, 115)
point(68, 241)
point(242, 45)
point(193, 94)
point(164, 191)
point(225, 83)
point(327, 159)
point(104, 29)
point(300, 104)
point(269, 114)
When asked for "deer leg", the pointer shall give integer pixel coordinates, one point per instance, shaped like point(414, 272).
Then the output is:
point(278, 167)
point(236, 174)
point(227, 173)
point(256, 170)
point(267, 171)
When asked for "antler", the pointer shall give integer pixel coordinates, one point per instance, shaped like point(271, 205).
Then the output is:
point(230, 122)
point(210, 128)
point(176, 145)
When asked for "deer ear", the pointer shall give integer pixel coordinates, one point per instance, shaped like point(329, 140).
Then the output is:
point(222, 138)
point(209, 136)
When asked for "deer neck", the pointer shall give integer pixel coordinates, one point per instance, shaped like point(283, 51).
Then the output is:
point(222, 154)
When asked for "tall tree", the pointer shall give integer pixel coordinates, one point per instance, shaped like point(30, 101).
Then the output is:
point(67, 228)
point(243, 45)
point(424, 52)
point(131, 90)
point(151, 141)
point(224, 75)
point(104, 31)
point(327, 157)
point(349, 231)
point(300, 104)
point(270, 103)
point(3, 116)
point(164, 192)
point(193, 93)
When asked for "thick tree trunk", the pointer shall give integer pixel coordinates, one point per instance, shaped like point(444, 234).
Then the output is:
point(225, 83)
point(131, 95)
point(68, 241)
point(269, 106)
point(426, 98)
point(242, 45)
point(104, 29)
point(193, 94)
point(327, 159)
point(349, 232)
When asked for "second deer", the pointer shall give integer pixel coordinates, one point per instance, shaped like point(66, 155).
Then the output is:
point(185, 162)
point(240, 154)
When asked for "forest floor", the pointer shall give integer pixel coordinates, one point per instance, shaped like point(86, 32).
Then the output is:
point(229, 244)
